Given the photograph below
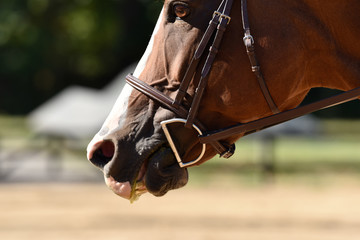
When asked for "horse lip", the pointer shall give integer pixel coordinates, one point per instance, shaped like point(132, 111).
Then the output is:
point(134, 189)
point(122, 189)
point(126, 190)
point(139, 184)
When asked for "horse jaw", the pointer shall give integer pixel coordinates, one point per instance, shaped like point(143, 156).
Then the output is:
point(163, 173)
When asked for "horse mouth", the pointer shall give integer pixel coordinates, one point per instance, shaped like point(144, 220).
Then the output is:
point(157, 174)
point(125, 189)
point(139, 186)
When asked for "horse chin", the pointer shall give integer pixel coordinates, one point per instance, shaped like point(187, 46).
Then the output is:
point(163, 173)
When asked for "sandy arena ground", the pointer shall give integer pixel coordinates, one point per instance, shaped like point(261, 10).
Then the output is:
point(69, 211)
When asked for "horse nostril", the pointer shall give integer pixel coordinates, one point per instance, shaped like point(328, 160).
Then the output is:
point(102, 153)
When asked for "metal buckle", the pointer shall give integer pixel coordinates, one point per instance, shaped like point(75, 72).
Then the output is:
point(216, 13)
point(224, 16)
point(248, 40)
point(229, 152)
point(172, 144)
point(221, 15)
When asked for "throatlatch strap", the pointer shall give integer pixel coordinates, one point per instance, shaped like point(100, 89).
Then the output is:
point(190, 72)
point(213, 50)
point(263, 123)
point(255, 66)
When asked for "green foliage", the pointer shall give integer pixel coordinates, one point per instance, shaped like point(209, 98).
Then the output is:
point(46, 45)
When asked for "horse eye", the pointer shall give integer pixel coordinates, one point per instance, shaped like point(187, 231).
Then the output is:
point(181, 10)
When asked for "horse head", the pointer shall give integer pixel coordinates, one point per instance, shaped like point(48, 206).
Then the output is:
point(139, 151)
point(131, 148)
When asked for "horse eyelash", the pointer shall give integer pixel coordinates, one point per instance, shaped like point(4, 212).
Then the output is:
point(171, 16)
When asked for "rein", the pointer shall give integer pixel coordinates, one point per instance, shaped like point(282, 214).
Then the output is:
point(217, 26)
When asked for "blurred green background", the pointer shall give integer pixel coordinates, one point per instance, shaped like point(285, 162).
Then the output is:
point(47, 45)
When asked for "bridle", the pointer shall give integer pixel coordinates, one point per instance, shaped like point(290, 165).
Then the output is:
point(216, 29)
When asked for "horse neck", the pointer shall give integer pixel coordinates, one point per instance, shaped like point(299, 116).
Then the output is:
point(331, 29)
point(304, 44)
point(300, 45)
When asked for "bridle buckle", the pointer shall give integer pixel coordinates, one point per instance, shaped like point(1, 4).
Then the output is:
point(229, 152)
point(216, 13)
point(248, 40)
point(222, 16)
point(226, 17)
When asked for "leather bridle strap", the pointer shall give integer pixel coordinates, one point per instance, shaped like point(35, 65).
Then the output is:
point(225, 151)
point(156, 95)
point(272, 120)
point(219, 22)
point(225, 19)
point(255, 66)
point(190, 72)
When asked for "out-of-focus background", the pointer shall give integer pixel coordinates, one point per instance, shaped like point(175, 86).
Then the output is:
point(62, 65)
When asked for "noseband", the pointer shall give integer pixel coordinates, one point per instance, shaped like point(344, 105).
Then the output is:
point(217, 27)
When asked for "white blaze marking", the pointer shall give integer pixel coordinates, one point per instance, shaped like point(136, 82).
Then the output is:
point(117, 116)
point(141, 65)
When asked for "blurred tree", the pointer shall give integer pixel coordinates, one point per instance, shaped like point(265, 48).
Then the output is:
point(46, 45)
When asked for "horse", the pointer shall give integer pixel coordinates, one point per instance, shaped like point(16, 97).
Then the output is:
point(199, 86)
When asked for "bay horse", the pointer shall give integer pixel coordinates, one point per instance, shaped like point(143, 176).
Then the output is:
point(194, 91)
